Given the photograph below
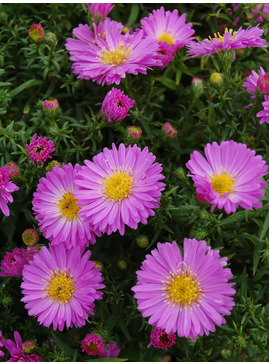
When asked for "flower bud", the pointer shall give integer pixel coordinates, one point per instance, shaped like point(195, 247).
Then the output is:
point(142, 241)
point(50, 38)
point(169, 130)
point(51, 105)
point(30, 237)
point(36, 32)
point(121, 264)
point(216, 79)
point(52, 164)
point(197, 87)
point(13, 170)
point(28, 346)
point(134, 132)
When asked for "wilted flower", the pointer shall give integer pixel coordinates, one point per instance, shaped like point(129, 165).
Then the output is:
point(39, 149)
point(36, 32)
point(169, 130)
point(6, 188)
point(13, 263)
point(160, 339)
point(93, 345)
point(116, 105)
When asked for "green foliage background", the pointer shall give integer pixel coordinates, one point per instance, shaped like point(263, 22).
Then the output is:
point(31, 73)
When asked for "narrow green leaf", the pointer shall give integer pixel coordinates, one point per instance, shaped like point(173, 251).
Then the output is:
point(238, 216)
point(256, 255)
point(124, 329)
point(25, 85)
point(243, 287)
point(61, 344)
point(108, 359)
point(133, 14)
point(265, 226)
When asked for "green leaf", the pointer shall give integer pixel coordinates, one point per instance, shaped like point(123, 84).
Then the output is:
point(133, 14)
point(256, 255)
point(238, 216)
point(265, 226)
point(243, 287)
point(25, 85)
point(108, 359)
point(61, 344)
point(167, 82)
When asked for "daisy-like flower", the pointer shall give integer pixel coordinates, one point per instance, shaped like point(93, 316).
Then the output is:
point(93, 344)
point(252, 82)
point(187, 295)
point(230, 176)
point(112, 351)
point(160, 339)
point(57, 209)
point(108, 61)
point(264, 114)
point(239, 39)
point(60, 286)
point(39, 149)
point(86, 36)
point(6, 188)
point(36, 32)
point(167, 27)
point(120, 187)
point(13, 263)
point(116, 105)
point(16, 350)
point(100, 9)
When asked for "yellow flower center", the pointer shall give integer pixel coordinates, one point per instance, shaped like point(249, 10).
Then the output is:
point(222, 183)
point(182, 288)
point(60, 286)
point(68, 206)
point(166, 37)
point(220, 38)
point(118, 57)
point(118, 185)
point(35, 34)
point(92, 346)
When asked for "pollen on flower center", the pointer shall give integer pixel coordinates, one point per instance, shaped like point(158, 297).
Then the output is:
point(118, 185)
point(118, 57)
point(182, 288)
point(166, 37)
point(68, 206)
point(60, 286)
point(263, 83)
point(220, 38)
point(92, 346)
point(222, 183)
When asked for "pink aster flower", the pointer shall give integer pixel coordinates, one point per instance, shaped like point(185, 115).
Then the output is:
point(86, 36)
point(230, 176)
point(112, 351)
point(6, 188)
point(116, 105)
point(36, 32)
point(13, 263)
point(170, 30)
point(187, 295)
point(57, 210)
point(169, 130)
point(264, 114)
point(252, 81)
point(160, 339)
point(265, 11)
point(120, 187)
point(108, 61)
point(60, 286)
point(242, 38)
point(100, 9)
point(16, 350)
point(93, 344)
point(39, 149)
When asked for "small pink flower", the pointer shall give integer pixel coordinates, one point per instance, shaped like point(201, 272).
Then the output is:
point(93, 345)
point(31, 251)
point(51, 105)
point(112, 351)
point(160, 339)
point(16, 350)
point(36, 32)
point(39, 149)
point(116, 105)
point(6, 187)
point(264, 114)
point(13, 170)
point(134, 132)
point(263, 83)
point(13, 263)
point(30, 237)
point(100, 9)
point(251, 82)
point(169, 130)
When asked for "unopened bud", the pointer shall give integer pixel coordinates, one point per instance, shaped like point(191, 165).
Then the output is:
point(30, 237)
point(169, 130)
point(142, 241)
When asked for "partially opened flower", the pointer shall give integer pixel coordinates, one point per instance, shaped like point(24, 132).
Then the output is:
point(230, 176)
point(57, 209)
point(93, 344)
point(39, 149)
point(184, 294)
point(169, 28)
point(160, 339)
point(100, 9)
point(13, 263)
point(116, 105)
point(112, 351)
point(120, 187)
point(60, 286)
point(16, 350)
point(108, 61)
point(36, 32)
point(264, 114)
point(242, 38)
point(51, 105)
point(6, 188)
point(252, 81)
